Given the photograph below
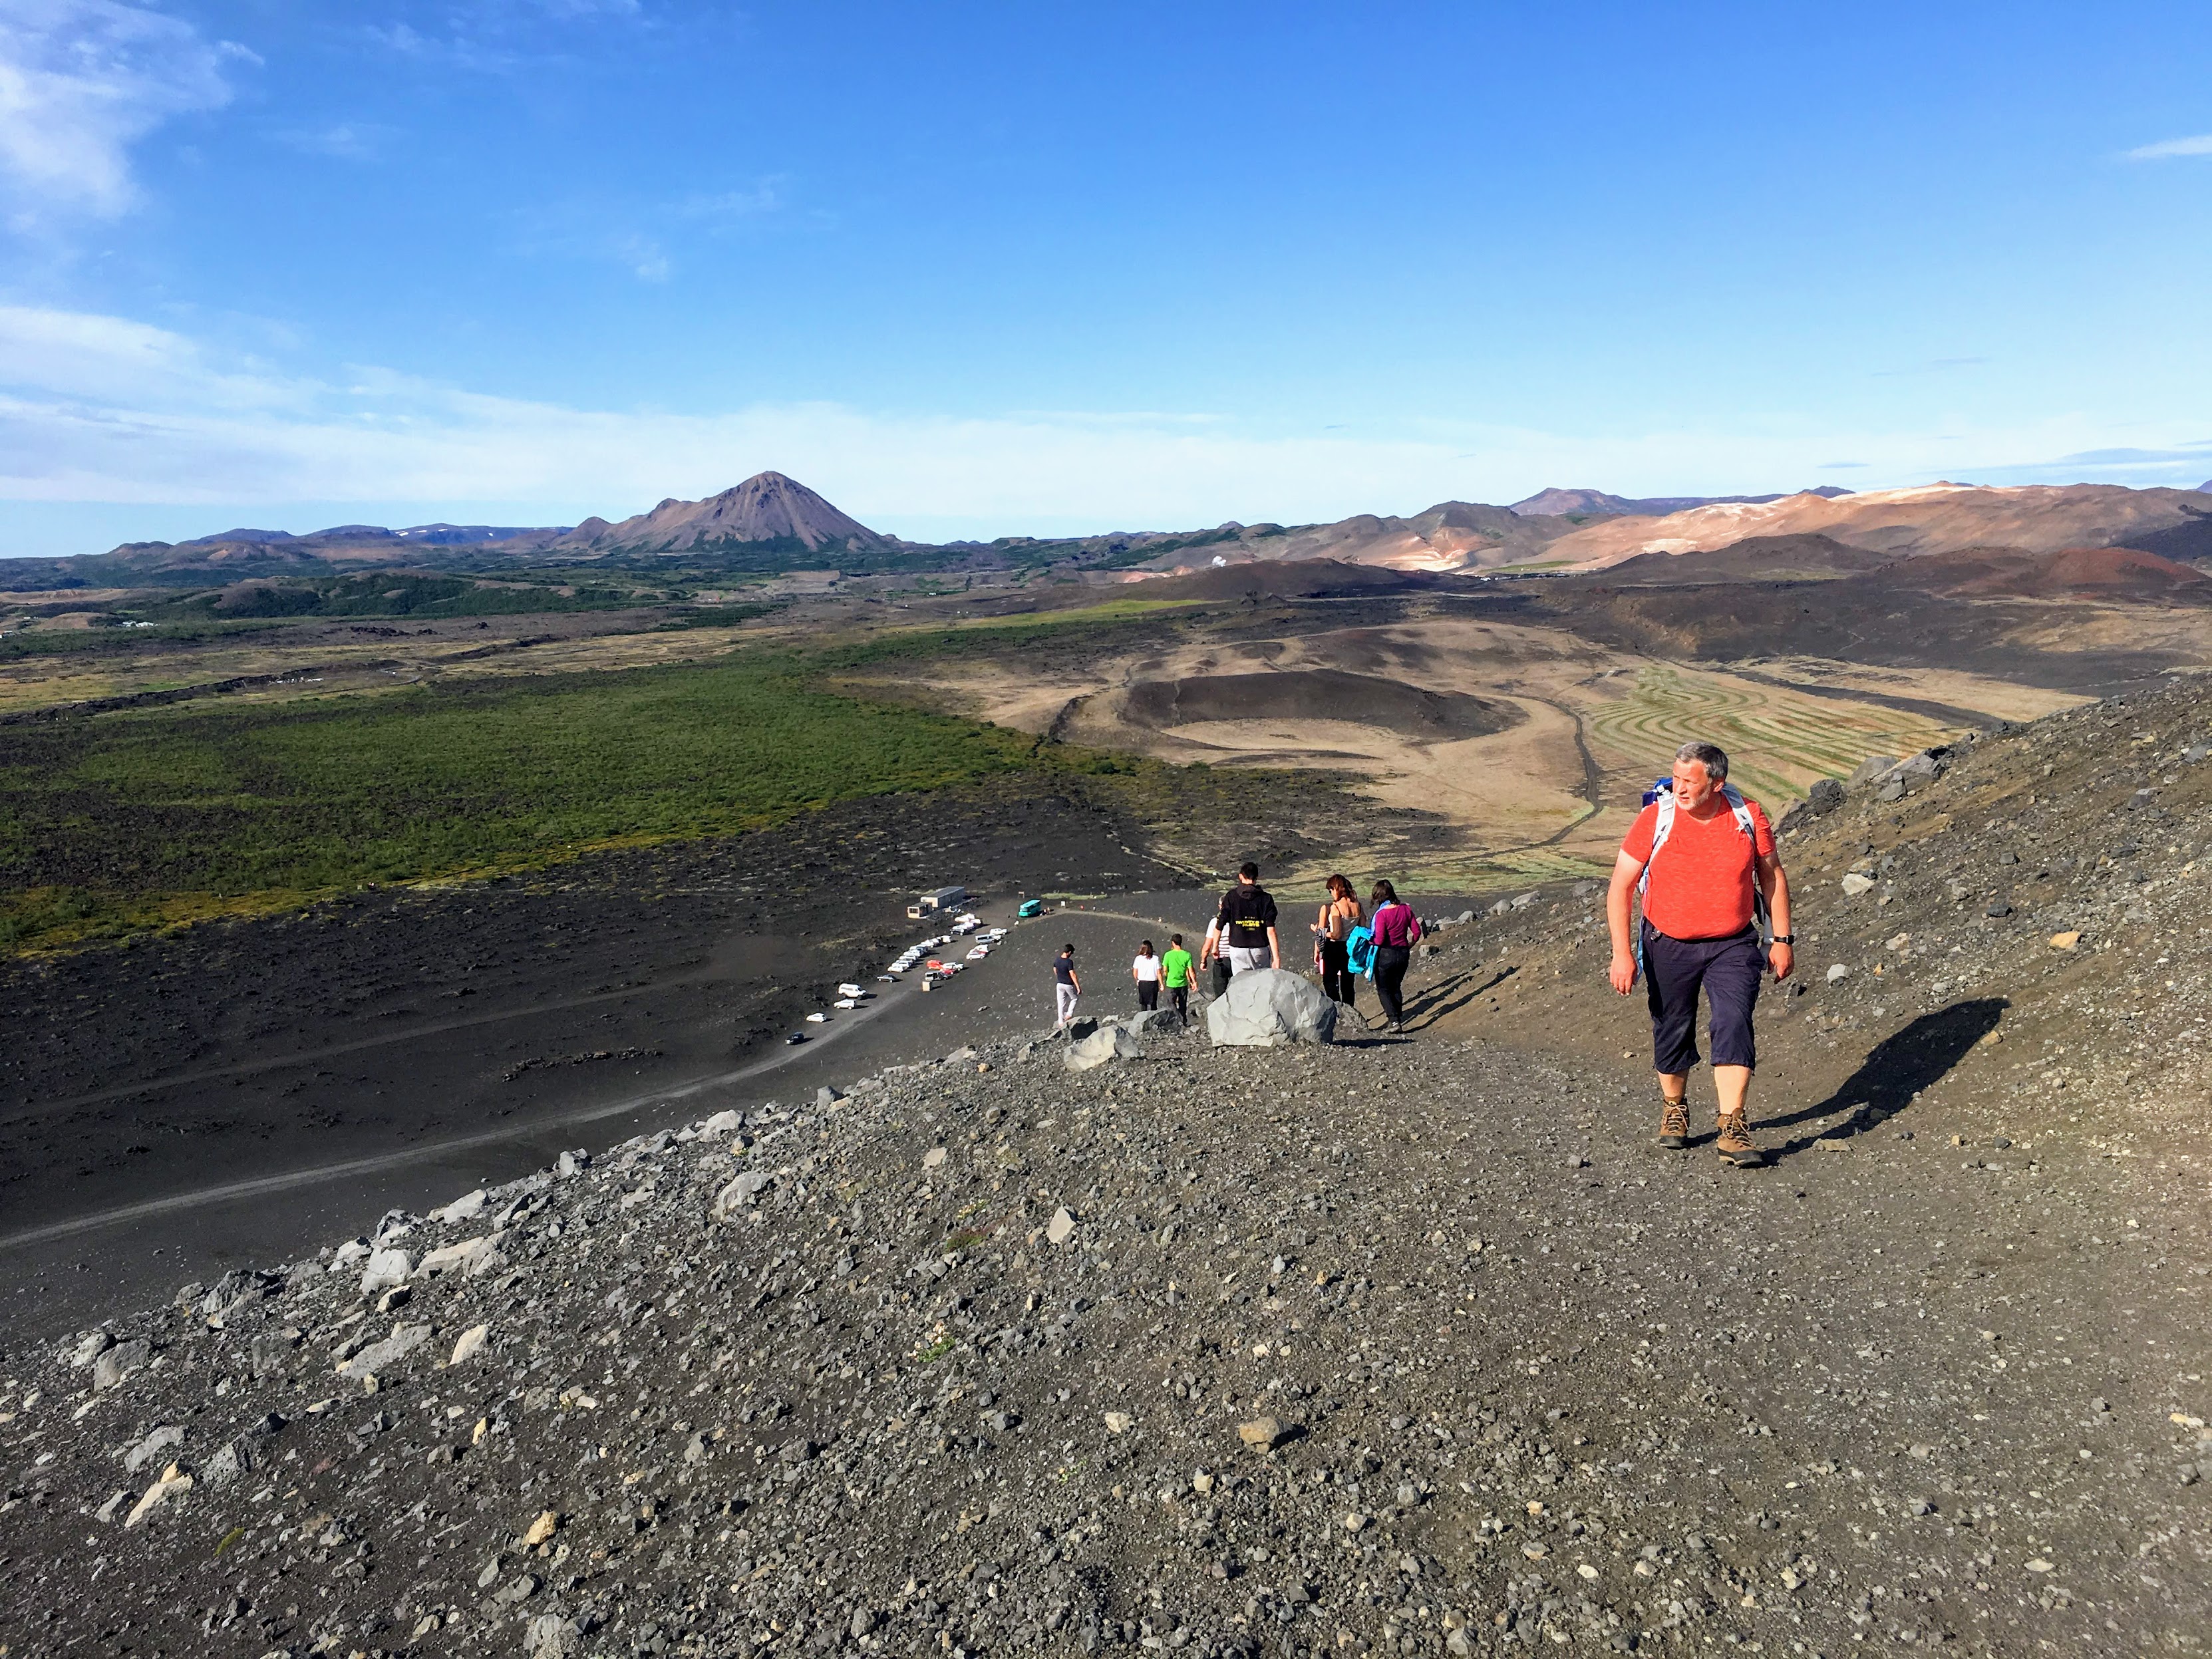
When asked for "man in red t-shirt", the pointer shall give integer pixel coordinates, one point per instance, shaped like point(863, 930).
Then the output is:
point(1699, 930)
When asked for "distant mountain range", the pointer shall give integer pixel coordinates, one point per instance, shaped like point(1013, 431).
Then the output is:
point(1564, 503)
point(771, 523)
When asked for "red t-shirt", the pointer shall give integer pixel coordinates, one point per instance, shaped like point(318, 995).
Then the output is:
point(1704, 878)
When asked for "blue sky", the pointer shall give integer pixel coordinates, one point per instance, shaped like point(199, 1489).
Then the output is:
point(978, 269)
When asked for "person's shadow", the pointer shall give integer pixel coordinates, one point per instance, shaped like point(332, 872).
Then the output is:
point(1896, 1069)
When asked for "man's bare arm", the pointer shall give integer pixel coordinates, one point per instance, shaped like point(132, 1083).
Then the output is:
point(1621, 973)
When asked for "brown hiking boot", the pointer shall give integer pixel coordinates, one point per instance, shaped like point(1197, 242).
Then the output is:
point(1735, 1145)
point(1674, 1127)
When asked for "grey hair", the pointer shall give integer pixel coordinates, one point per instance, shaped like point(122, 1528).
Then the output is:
point(1712, 757)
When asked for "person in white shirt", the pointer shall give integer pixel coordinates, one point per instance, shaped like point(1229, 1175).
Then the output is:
point(1146, 970)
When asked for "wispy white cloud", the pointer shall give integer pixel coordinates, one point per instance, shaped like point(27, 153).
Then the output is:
point(2168, 148)
point(346, 141)
point(108, 410)
point(83, 80)
point(731, 206)
point(500, 36)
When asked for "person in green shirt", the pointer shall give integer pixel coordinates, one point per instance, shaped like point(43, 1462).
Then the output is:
point(1177, 970)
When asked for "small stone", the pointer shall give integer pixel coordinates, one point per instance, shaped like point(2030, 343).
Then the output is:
point(1355, 1521)
point(2099, 1404)
point(271, 1354)
point(466, 1208)
point(95, 1343)
point(933, 1158)
point(382, 1356)
point(2037, 1564)
point(1061, 1228)
point(864, 1620)
point(153, 1447)
point(471, 1344)
point(2067, 940)
point(551, 1637)
point(1534, 1552)
point(1260, 1433)
point(172, 1482)
point(1999, 910)
point(721, 1123)
point(741, 1192)
point(1586, 1571)
point(385, 1268)
point(1855, 885)
point(118, 1362)
point(542, 1529)
point(232, 1458)
point(827, 1096)
point(1838, 972)
point(1119, 1422)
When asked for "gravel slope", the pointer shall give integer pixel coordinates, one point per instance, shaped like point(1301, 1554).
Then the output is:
point(1532, 1382)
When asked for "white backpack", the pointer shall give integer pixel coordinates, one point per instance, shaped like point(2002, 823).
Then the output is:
point(1664, 827)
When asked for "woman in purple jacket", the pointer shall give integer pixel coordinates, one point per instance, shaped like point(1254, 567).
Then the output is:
point(1396, 930)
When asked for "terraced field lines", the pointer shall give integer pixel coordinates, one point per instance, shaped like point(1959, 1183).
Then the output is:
point(1779, 744)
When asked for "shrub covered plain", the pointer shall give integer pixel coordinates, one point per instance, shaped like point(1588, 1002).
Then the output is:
point(132, 820)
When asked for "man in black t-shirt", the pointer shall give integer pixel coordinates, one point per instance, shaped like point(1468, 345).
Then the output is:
point(1248, 924)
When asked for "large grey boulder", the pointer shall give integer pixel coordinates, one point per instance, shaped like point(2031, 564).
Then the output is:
point(1869, 770)
point(1267, 1008)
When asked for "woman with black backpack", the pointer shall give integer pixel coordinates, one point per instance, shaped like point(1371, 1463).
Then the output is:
point(1396, 930)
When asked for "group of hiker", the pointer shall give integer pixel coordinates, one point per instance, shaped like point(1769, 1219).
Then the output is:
point(1350, 940)
point(1700, 860)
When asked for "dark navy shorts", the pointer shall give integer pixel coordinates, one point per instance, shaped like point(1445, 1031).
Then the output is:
point(1728, 969)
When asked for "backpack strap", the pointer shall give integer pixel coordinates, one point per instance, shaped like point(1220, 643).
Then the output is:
point(1664, 826)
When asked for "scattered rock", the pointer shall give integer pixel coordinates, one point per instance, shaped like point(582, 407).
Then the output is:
point(1857, 885)
point(466, 1208)
point(173, 1483)
point(2067, 940)
point(1119, 1422)
point(1112, 1040)
point(153, 1446)
point(380, 1356)
point(741, 1192)
point(471, 1344)
point(386, 1269)
point(118, 1362)
point(1260, 1433)
point(1838, 972)
point(1061, 1228)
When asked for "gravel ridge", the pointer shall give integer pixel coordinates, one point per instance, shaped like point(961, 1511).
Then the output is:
point(1383, 1346)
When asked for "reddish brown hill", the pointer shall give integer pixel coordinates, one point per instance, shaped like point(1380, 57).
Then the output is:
point(1296, 578)
point(1755, 559)
point(2122, 574)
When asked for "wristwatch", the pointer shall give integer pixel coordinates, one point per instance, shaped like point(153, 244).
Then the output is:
point(1783, 938)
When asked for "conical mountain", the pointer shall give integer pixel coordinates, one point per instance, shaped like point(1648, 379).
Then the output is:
point(766, 508)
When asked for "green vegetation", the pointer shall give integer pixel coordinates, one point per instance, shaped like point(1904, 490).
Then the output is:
point(117, 823)
point(128, 820)
point(991, 634)
point(74, 641)
point(387, 594)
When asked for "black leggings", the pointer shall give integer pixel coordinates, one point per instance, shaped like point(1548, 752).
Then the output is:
point(1391, 963)
point(1148, 993)
point(1338, 981)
